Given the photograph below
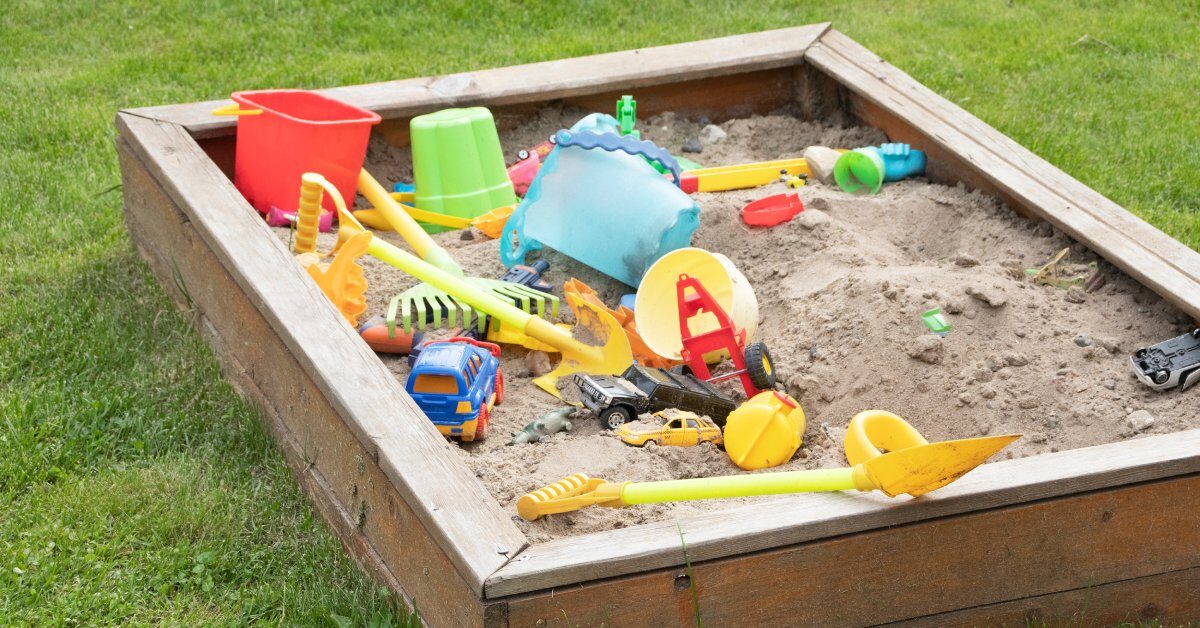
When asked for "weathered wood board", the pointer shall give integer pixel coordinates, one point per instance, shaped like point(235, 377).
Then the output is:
point(1095, 535)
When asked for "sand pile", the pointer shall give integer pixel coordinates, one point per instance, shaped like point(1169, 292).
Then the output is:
point(841, 289)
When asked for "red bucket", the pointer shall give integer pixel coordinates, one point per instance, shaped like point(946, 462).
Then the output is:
point(283, 133)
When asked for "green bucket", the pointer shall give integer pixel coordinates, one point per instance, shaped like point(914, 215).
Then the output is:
point(860, 171)
point(458, 166)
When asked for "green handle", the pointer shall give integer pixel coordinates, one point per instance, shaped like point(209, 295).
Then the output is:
point(456, 287)
point(815, 480)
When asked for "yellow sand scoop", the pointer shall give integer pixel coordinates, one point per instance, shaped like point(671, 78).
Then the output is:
point(911, 465)
point(596, 344)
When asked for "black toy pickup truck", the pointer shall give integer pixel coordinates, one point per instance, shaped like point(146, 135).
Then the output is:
point(640, 390)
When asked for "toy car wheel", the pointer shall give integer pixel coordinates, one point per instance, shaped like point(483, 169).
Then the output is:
point(481, 424)
point(650, 443)
point(499, 387)
point(522, 154)
point(616, 416)
point(759, 366)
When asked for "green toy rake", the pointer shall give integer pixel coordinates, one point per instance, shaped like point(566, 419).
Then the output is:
point(424, 305)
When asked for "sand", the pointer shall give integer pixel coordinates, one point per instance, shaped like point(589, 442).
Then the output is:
point(841, 289)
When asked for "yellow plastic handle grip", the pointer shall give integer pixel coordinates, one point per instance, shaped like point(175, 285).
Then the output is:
point(232, 110)
point(779, 483)
point(871, 432)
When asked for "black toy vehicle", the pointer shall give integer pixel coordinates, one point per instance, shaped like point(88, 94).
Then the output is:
point(639, 390)
point(1171, 363)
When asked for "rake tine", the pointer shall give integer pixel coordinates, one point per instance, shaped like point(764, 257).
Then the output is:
point(391, 317)
point(424, 306)
point(438, 310)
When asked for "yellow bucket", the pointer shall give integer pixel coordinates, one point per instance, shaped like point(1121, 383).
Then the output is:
point(656, 309)
point(765, 431)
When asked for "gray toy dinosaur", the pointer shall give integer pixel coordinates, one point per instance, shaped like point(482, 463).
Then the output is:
point(552, 422)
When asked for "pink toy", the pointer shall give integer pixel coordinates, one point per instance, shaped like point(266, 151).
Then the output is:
point(523, 172)
point(278, 218)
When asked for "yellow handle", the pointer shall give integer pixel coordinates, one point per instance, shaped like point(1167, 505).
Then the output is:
point(308, 214)
point(871, 432)
point(374, 218)
point(814, 480)
point(232, 110)
point(404, 225)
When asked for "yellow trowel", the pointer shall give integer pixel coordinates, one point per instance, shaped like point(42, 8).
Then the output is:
point(885, 453)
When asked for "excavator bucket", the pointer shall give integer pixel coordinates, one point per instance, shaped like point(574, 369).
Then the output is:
point(598, 346)
point(918, 470)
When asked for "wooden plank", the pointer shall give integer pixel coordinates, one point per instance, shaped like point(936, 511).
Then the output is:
point(1172, 598)
point(776, 522)
point(909, 571)
point(1150, 256)
point(361, 505)
point(544, 81)
point(444, 495)
point(717, 98)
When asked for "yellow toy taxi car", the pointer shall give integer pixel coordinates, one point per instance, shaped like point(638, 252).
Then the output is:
point(683, 429)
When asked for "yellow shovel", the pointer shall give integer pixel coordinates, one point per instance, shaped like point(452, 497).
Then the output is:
point(911, 465)
point(597, 344)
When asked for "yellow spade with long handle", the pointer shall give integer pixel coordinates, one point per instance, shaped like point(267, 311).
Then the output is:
point(603, 349)
point(910, 465)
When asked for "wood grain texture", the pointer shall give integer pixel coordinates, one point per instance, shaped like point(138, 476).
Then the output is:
point(1145, 253)
point(1171, 598)
point(414, 458)
point(362, 507)
point(779, 521)
point(545, 81)
point(909, 571)
point(718, 98)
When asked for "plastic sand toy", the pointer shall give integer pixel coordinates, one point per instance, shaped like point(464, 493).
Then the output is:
point(912, 465)
point(283, 133)
point(765, 431)
point(864, 170)
point(935, 322)
point(772, 210)
point(458, 166)
point(602, 204)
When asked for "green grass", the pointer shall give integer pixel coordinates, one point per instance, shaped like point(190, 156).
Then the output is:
point(136, 487)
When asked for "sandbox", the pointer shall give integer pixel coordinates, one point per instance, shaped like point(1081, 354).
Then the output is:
point(1069, 519)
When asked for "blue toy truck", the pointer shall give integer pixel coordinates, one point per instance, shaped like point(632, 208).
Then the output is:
point(456, 382)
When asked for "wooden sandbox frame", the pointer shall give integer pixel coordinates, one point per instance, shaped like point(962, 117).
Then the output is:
point(1104, 533)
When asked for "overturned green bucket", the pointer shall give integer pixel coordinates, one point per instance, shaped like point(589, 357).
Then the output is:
point(860, 171)
point(458, 166)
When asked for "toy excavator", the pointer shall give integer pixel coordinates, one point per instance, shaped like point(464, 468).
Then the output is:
point(911, 465)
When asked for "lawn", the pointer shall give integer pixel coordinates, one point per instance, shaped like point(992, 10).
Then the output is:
point(137, 487)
